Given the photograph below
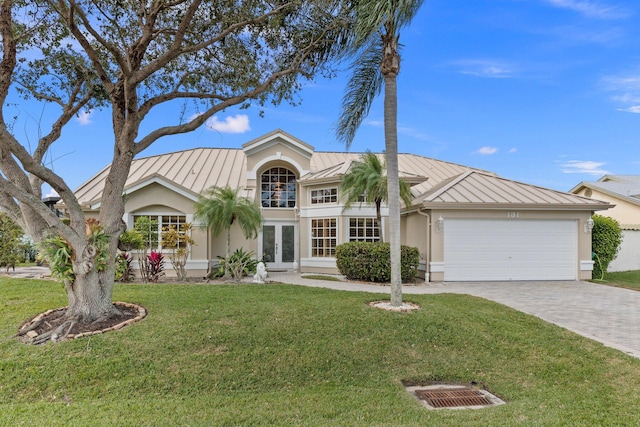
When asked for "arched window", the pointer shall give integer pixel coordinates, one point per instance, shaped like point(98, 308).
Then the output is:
point(278, 188)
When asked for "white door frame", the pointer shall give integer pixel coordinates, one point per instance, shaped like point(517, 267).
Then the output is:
point(277, 263)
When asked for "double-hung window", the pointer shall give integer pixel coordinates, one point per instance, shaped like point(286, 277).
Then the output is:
point(324, 239)
point(364, 230)
point(151, 227)
point(324, 195)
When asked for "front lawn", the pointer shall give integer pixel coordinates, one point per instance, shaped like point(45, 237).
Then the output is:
point(622, 279)
point(284, 355)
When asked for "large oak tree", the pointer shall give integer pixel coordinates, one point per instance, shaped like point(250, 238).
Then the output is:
point(134, 57)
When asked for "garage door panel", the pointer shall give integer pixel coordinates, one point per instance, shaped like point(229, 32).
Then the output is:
point(480, 249)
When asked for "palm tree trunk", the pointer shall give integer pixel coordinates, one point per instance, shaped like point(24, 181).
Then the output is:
point(390, 68)
point(393, 186)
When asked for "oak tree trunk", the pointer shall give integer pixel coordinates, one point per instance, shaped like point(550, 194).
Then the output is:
point(90, 294)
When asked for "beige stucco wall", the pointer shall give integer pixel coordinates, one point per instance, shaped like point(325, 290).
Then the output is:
point(329, 210)
point(626, 213)
point(416, 231)
point(584, 239)
point(156, 199)
point(157, 195)
point(277, 154)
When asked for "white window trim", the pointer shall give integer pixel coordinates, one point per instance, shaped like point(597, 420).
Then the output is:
point(129, 220)
point(310, 252)
point(324, 203)
point(348, 227)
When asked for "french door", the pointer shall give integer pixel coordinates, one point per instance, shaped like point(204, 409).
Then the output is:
point(279, 244)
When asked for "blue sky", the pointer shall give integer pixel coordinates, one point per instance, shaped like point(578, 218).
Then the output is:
point(541, 91)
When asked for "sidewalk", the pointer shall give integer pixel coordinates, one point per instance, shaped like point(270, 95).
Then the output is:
point(34, 272)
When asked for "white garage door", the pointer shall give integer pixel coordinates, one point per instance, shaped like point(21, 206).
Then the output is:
point(494, 249)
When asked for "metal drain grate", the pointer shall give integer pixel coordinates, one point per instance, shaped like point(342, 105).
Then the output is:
point(453, 396)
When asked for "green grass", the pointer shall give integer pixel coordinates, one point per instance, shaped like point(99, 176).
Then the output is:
point(623, 279)
point(263, 355)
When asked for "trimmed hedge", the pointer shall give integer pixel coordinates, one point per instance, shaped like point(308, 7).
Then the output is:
point(371, 262)
point(606, 237)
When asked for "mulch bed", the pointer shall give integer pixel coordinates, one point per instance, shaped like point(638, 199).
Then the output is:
point(53, 318)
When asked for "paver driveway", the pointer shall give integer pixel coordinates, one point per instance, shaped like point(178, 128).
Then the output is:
point(603, 313)
point(606, 314)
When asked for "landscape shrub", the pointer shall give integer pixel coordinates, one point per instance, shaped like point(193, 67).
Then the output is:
point(124, 271)
point(371, 261)
point(606, 237)
point(241, 263)
point(154, 267)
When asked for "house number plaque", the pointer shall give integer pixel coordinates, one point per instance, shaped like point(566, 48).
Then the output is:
point(513, 214)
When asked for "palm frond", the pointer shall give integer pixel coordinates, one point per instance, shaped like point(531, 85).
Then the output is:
point(220, 207)
point(364, 85)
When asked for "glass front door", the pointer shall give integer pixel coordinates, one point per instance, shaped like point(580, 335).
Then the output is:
point(278, 245)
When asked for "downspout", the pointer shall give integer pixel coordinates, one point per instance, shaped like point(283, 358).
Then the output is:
point(427, 271)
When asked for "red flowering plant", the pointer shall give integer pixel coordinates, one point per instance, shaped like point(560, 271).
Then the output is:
point(155, 266)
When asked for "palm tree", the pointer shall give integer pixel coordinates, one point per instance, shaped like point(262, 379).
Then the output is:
point(221, 207)
point(375, 48)
point(367, 177)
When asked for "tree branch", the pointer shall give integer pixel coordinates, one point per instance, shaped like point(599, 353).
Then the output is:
point(198, 121)
point(67, 14)
point(10, 148)
point(9, 60)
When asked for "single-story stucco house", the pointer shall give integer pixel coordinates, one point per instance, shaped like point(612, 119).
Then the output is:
point(624, 192)
point(468, 224)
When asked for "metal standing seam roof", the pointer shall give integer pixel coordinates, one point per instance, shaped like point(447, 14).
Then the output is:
point(478, 189)
point(336, 172)
point(194, 170)
point(197, 169)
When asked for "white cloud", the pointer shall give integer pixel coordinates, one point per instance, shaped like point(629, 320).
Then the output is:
point(590, 9)
point(487, 150)
point(585, 167)
point(232, 124)
point(84, 117)
point(487, 68)
point(633, 109)
point(513, 150)
point(629, 82)
point(626, 89)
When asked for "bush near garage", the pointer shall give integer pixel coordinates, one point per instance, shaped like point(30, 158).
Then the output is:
point(606, 237)
point(371, 261)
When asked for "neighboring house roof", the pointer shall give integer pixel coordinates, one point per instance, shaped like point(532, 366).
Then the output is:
point(624, 187)
point(435, 182)
point(481, 190)
point(618, 188)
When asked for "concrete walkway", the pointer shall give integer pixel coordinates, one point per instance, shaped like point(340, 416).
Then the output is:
point(603, 313)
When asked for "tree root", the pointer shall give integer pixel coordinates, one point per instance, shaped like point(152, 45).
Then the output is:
point(56, 335)
point(31, 327)
point(66, 326)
